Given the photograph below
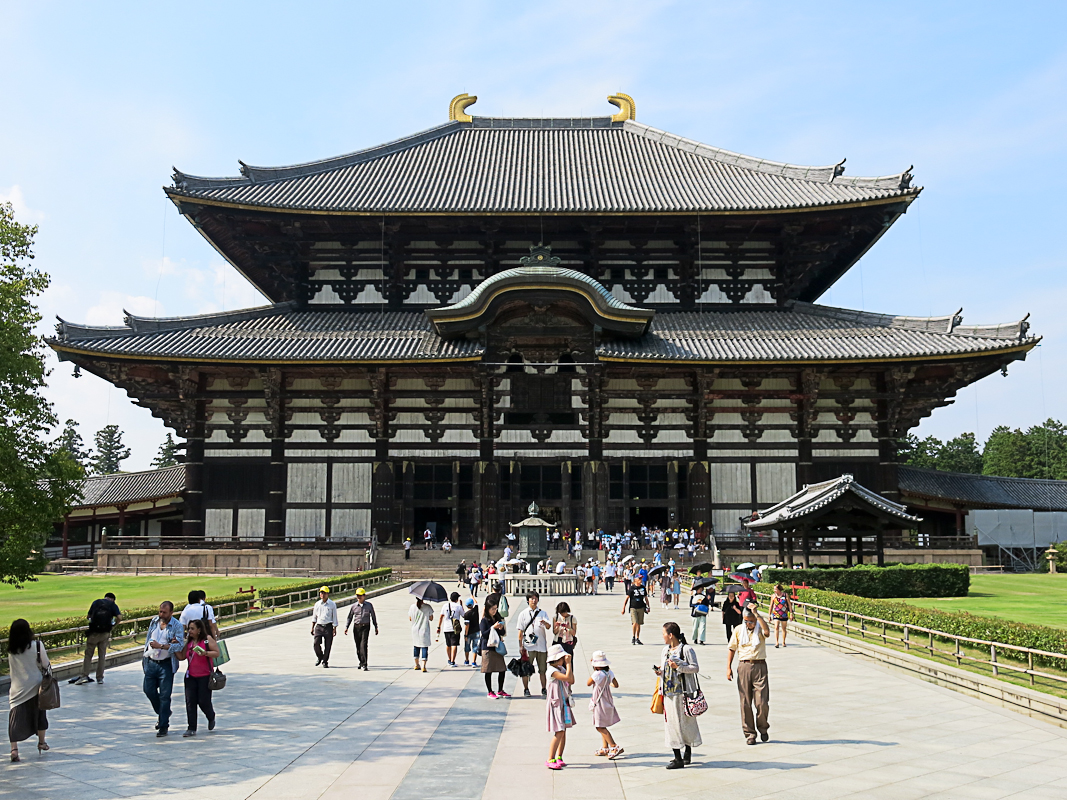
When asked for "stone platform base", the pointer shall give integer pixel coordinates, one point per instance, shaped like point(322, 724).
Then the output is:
point(239, 562)
point(972, 558)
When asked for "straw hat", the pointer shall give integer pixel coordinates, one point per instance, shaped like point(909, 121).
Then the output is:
point(599, 659)
point(555, 653)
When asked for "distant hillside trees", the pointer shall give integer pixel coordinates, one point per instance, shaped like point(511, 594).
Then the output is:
point(1039, 452)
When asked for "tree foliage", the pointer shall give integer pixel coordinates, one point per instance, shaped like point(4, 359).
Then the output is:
point(110, 451)
point(71, 441)
point(168, 453)
point(38, 480)
point(1040, 452)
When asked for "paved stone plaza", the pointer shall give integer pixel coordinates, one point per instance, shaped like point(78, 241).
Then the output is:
point(840, 727)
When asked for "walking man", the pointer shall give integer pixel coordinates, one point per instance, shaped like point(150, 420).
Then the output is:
point(609, 575)
point(637, 601)
point(197, 608)
point(103, 615)
point(407, 549)
point(452, 616)
point(159, 662)
point(360, 617)
point(532, 624)
point(324, 626)
point(749, 643)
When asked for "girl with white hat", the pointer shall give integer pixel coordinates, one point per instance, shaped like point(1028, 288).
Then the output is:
point(602, 704)
point(560, 713)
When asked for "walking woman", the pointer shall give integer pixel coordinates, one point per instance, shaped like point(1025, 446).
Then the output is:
point(781, 613)
point(420, 615)
point(492, 661)
point(665, 589)
point(25, 719)
point(200, 650)
point(731, 613)
point(676, 586)
point(677, 670)
point(699, 608)
point(565, 628)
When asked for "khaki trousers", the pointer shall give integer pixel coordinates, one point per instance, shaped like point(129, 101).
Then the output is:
point(95, 642)
point(754, 690)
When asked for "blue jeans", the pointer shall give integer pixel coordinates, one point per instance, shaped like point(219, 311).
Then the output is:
point(425, 651)
point(158, 683)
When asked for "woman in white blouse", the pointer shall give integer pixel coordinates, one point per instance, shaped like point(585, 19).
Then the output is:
point(25, 718)
point(420, 615)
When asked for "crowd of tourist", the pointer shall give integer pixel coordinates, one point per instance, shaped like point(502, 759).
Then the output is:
point(544, 640)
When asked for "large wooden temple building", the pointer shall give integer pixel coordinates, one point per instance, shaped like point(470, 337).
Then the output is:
point(604, 318)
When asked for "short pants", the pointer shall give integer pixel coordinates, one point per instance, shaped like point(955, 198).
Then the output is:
point(637, 616)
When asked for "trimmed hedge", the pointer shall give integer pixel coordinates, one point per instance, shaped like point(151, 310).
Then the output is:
point(125, 628)
point(303, 586)
point(864, 580)
point(959, 623)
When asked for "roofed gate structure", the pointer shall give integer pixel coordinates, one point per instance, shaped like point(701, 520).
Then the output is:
point(615, 322)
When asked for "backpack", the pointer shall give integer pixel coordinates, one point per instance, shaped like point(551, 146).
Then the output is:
point(100, 621)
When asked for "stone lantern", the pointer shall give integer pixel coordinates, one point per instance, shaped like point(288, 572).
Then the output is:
point(1051, 554)
point(533, 537)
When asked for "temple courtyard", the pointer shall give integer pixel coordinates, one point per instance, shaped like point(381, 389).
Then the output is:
point(841, 726)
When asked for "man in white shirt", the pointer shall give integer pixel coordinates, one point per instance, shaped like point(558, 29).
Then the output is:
point(324, 623)
point(197, 608)
point(533, 625)
point(407, 549)
point(561, 567)
point(609, 575)
point(452, 618)
point(427, 538)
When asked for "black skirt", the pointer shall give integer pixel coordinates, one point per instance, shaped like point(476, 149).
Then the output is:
point(25, 720)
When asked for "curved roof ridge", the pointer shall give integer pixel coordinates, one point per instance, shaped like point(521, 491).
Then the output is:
point(137, 324)
point(251, 175)
point(831, 173)
point(565, 273)
point(946, 324)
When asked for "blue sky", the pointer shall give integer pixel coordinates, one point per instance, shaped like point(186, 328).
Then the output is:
point(100, 100)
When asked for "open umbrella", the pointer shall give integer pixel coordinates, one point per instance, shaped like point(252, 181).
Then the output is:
point(703, 566)
point(657, 571)
point(679, 546)
point(700, 583)
point(738, 576)
point(516, 561)
point(626, 560)
point(745, 567)
point(733, 587)
point(429, 591)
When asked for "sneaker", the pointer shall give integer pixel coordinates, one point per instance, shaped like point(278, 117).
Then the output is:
point(318, 662)
point(101, 680)
point(553, 765)
point(640, 642)
point(544, 692)
point(82, 681)
point(75, 679)
point(633, 640)
point(765, 736)
point(325, 664)
point(502, 694)
point(491, 695)
point(188, 733)
point(211, 724)
point(161, 733)
point(561, 762)
point(526, 693)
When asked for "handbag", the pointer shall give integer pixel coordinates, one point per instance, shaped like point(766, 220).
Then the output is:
point(657, 700)
point(48, 691)
point(224, 653)
point(216, 680)
point(695, 704)
point(700, 610)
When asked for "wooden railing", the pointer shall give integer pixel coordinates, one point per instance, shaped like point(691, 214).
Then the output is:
point(925, 641)
point(200, 543)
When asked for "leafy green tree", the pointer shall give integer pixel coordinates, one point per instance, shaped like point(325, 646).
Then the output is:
point(71, 441)
point(110, 452)
point(960, 454)
point(168, 453)
point(38, 480)
point(917, 452)
point(1047, 449)
point(1006, 453)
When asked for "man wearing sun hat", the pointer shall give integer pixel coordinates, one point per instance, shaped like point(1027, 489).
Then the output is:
point(324, 626)
point(360, 617)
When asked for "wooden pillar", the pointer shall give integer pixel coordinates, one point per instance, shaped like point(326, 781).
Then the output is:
point(274, 528)
point(122, 520)
point(959, 521)
point(193, 513)
point(879, 543)
point(672, 494)
point(565, 510)
point(781, 547)
point(789, 552)
point(383, 502)
point(408, 526)
point(700, 497)
point(454, 533)
point(805, 544)
point(66, 533)
point(859, 547)
point(848, 550)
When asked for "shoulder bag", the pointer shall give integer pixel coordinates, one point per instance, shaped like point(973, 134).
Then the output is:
point(216, 680)
point(224, 653)
point(693, 700)
point(657, 700)
point(48, 691)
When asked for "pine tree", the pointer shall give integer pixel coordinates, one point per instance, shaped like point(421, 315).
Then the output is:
point(110, 452)
point(960, 454)
point(168, 453)
point(71, 441)
point(1006, 453)
point(916, 452)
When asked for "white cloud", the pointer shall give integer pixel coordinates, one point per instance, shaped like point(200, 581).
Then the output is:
point(23, 213)
point(111, 305)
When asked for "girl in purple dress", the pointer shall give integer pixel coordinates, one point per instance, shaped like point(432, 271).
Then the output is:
point(560, 713)
point(602, 704)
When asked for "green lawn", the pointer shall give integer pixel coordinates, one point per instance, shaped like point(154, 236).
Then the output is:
point(56, 596)
point(1038, 599)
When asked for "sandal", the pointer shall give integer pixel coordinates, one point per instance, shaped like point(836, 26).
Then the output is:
point(615, 753)
point(15, 755)
point(603, 751)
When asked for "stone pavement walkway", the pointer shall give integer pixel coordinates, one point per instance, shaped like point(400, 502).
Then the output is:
point(841, 727)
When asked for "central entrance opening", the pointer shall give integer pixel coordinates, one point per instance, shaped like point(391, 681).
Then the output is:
point(649, 516)
point(438, 520)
